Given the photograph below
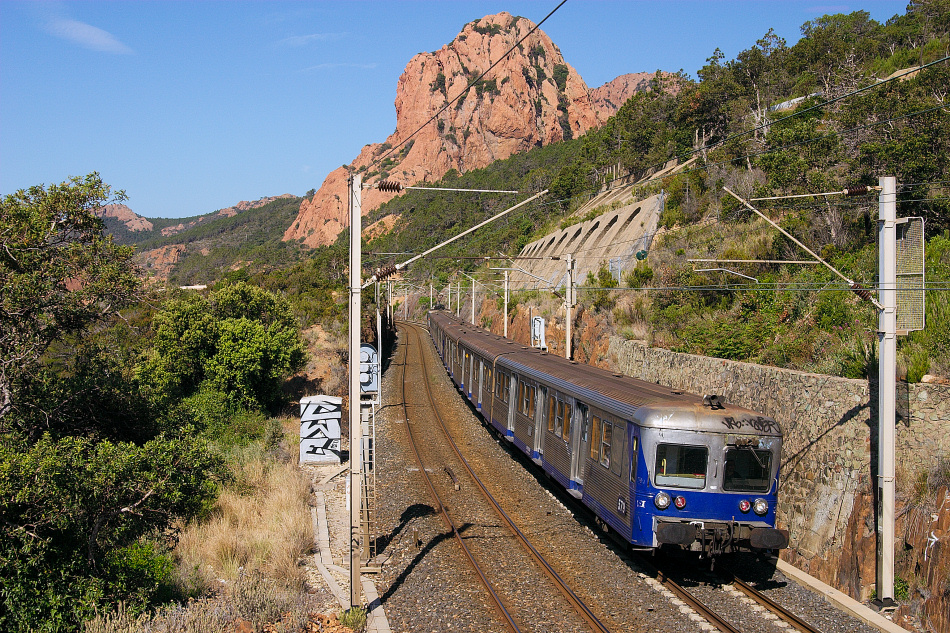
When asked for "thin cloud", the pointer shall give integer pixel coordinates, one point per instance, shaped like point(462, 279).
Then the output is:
point(296, 41)
point(328, 66)
point(88, 36)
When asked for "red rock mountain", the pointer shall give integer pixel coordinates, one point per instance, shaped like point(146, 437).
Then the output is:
point(125, 215)
point(531, 98)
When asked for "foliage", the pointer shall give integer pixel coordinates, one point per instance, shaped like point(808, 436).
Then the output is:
point(599, 289)
point(354, 618)
point(58, 273)
point(640, 276)
point(74, 511)
point(239, 343)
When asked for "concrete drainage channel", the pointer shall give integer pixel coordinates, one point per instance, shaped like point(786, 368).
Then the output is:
point(329, 505)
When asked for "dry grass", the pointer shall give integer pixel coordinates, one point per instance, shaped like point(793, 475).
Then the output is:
point(250, 603)
point(260, 524)
point(244, 561)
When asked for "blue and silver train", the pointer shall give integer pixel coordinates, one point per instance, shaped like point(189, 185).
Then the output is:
point(659, 467)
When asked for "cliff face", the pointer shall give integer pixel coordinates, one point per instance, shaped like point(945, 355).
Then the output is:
point(531, 98)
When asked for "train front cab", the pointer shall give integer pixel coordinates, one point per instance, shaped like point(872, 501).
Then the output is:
point(703, 488)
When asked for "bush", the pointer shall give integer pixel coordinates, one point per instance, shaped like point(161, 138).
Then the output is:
point(140, 574)
point(76, 518)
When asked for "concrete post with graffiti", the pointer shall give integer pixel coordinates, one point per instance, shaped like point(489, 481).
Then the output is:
point(320, 429)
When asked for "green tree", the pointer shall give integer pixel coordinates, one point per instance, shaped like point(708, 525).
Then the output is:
point(91, 473)
point(239, 342)
point(59, 273)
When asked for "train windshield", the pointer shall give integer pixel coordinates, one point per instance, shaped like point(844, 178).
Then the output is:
point(747, 469)
point(681, 466)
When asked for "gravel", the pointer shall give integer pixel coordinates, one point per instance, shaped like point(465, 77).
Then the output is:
point(425, 585)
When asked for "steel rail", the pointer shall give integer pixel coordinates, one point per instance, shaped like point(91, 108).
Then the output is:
point(496, 600)
point(773, 606)
point(711, 616)
point(576, 603)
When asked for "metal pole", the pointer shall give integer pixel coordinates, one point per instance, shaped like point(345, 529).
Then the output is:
point(569, 303)
point(450, 297)
point(887, 385)
point(458, 299)
point(473, 302)
point(506, 304)
point(356, 226)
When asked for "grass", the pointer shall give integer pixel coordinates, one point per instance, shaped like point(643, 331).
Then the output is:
point(260, 523)
point(250, 603)
point(243, 562)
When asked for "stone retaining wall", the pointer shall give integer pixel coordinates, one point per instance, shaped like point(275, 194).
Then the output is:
point(829, 459)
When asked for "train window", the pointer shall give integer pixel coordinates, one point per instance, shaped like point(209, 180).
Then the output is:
point(605, 444)
point(526, 399)
point(488, 376)
point(506, 388)
point(747, 469)
point(634, 443)
point(552, 413)
point(616, 466)
point(568, 421)
point(531, 402)
point(595, 439)
point(681, 466)
point(498, 386)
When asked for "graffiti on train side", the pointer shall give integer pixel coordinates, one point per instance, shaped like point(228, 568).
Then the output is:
point(760, 424)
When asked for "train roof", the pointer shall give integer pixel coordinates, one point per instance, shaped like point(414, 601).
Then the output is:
point(647, 403)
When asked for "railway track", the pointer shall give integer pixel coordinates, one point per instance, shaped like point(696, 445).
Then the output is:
point(721, 622)
point(499, 603)
point(726, 610)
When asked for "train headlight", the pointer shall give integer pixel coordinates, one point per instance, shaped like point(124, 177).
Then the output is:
point(744, 505)
point(679, 502)
point(760, 507)
point(661, 500)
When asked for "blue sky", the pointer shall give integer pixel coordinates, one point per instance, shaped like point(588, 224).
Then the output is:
point(193, 106)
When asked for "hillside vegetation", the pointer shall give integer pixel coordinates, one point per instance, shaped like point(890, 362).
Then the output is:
point(846, 128)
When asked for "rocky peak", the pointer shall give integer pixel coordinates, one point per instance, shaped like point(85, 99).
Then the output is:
point(532, 97)
point(125, 216)
point(613, 94)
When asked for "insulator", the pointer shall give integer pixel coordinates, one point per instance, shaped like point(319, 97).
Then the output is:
point(856, 190)
point(387, 271)
point(861, 291)
point(389, 185)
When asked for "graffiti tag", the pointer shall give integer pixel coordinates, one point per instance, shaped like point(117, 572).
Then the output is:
point(760, 424)
point(320, 429)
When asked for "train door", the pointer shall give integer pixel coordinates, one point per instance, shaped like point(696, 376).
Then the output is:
point(512, 404)
point(580, 421)
point(541, 423)
point(466, 373)
point(480, 374)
